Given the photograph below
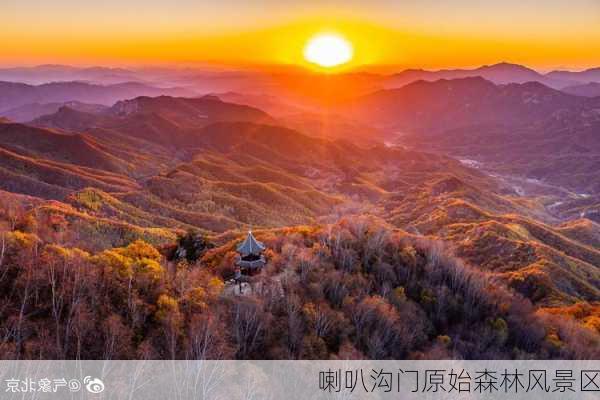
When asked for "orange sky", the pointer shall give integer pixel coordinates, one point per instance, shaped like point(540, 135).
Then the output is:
point(424, 34)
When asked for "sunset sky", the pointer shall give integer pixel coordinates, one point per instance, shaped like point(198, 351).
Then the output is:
point(424, 34)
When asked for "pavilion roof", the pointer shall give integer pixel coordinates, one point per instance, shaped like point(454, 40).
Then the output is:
point(250, 246)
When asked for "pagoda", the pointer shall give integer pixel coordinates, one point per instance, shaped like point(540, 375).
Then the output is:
point(250, 259)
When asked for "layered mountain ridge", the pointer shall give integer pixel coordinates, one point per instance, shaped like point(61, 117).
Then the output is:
point(503, 175)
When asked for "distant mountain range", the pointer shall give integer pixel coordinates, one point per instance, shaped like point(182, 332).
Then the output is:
point(29, 112)
point(53, 73)
point(13, 95)
point(260, 87)
point(591, 89)
point(165, 120)
point(588, 75)
point(498, 73)
point(449, 103)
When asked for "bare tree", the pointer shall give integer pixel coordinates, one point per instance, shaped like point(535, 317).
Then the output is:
point(248, 327)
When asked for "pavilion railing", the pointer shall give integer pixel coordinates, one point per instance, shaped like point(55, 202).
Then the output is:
point(250, 264)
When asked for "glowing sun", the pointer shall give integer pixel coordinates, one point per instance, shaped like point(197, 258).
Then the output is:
point(328, 50)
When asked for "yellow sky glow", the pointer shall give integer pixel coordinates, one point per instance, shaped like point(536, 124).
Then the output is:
point(434, 37)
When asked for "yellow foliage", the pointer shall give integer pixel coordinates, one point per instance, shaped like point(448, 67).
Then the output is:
point(309, 311)
point(57, 251)
point(553, 339)
point(409, 255)
point(499, 324)
point(115, 262)
point(427, 296)
point(593, 323)
point(90, 199)
point(588, 315)
point(150, 268)
point(400, 293)
point(22, 239)
point(167, 303)
point(215, 286)
point(139, 258)
point(140, 249)
point(65, 253)
point(29, 222)
point(197, 298)
point(75, 252)
point(444, 340)
point(520, 230)
point(168, 308)
point(500, 328)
